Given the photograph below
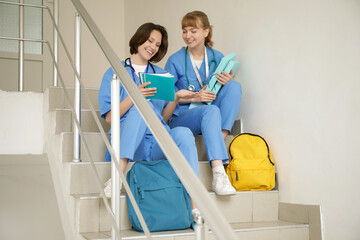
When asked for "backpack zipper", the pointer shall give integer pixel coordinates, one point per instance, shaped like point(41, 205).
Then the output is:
point(251, 134)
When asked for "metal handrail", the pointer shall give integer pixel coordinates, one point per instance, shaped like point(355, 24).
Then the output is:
point(24, 39)
point(21, 48)
point(115, 143)
point(77, 90)
point(197, 191)
point(55, 36)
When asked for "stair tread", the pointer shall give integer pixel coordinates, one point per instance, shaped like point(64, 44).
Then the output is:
point(88, 163)
point(72, 88)
point(69, 109)
point(122, 195)
point(238, 227)
point(57, 97)
point(83, 170)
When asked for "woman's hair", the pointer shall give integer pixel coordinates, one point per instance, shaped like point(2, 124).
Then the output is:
point(142, 34)
point(198, 19)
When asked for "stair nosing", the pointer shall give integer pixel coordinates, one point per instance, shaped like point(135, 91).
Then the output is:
point(54, 87)
point(86, 133)
point(189, 232)
point(69, 109)
point(123, 195)
point(88, 163)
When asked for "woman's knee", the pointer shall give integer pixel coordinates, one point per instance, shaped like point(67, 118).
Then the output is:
point(232, 87)
point(180, 134)
point(211, 111)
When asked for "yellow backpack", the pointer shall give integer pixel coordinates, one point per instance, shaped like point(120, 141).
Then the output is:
point(251, 167)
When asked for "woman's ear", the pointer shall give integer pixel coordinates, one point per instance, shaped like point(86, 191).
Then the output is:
point(207, 32)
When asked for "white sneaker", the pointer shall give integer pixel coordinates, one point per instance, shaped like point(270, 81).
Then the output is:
point(107, 188)
point(196, 216)
point(221, 184)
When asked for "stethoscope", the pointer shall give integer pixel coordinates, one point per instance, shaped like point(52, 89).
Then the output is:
point(191, 87)
point(133, 70)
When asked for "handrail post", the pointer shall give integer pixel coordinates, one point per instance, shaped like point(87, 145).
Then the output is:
point(201, 229)
point(56, 45)
point(21, 47)
point(77, 90)
point(115, 142)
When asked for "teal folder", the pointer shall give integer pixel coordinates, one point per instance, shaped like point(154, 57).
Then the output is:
point(164, 84)
point(226, 64)
point(232, 64)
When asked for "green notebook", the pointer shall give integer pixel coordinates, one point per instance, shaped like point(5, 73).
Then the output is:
point(164, 83)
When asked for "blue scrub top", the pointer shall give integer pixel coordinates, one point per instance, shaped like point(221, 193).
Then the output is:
point(105, 95)
point(176, 66)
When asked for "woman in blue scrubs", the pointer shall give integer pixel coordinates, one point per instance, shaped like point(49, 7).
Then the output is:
point(149, 44)
point(193, 67)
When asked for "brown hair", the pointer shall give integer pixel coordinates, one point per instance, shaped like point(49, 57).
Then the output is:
point(142, 34)
point(198, 19)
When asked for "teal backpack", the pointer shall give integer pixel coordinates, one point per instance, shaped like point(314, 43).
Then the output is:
point(162, 199)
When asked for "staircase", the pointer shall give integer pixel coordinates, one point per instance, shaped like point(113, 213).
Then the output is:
point(253, 215)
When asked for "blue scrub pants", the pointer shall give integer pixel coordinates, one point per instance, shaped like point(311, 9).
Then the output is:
point(138, 144)
point(209, 120)
point(228, 100)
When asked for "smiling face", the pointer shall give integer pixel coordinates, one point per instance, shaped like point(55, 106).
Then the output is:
point(194, 36)
point(150, 47)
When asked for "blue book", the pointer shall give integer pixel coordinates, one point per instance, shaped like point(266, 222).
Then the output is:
point(164, 83)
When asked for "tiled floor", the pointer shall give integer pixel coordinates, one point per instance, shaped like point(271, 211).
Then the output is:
point(28, 207)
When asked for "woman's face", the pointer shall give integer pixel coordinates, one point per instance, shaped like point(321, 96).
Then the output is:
point(151, 46)
point(194, 37)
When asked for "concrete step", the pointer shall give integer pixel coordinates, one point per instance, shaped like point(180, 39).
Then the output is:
point(93, 140)
point(272, 230)
point(64, 121)
point(97, 146)
point(239, 208)
point(82, 178)
point(57, 98)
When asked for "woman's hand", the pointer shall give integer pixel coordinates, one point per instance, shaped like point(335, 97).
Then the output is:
point(205, 95)
point(224, 77)
point(184, 95)
point(147, 92)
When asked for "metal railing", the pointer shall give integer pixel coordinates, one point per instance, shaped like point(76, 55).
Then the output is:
point(195, 188)
point(21, 38)
point(77, 90)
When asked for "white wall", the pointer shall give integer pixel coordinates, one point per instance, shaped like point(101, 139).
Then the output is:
point(300, 72)
point(21, 124)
